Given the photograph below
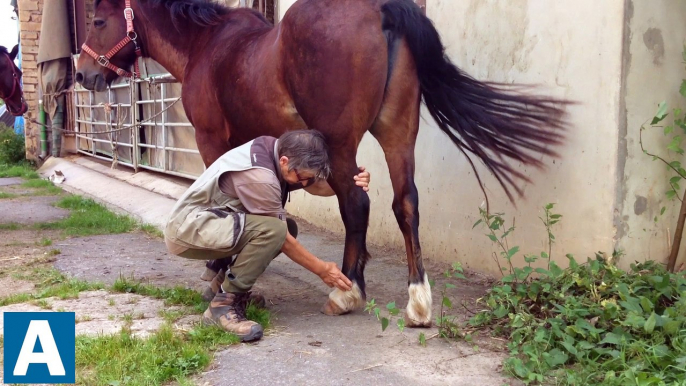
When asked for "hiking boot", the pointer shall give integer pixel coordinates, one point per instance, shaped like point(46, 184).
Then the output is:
point(208, 275)
point(227, 310)
point(216, 283)
point(214, 286)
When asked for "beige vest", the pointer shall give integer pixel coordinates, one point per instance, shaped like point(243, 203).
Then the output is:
point(205, 217)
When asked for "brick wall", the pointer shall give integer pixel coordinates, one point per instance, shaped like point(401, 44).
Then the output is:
point(30, 16)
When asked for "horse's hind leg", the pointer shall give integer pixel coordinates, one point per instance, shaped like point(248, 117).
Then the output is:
point(396, 130)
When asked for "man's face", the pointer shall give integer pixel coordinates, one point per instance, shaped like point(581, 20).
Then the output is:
point(295, 176)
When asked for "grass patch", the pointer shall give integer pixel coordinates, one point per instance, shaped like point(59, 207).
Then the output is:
point(43, 188)
point(166, 356)
point(12, 226)
point(23, 170)
point(4, 195)
point(45, 242)
point(171, 296)
point(259, 315)
point(88, 218)
point(151, 230)
point(49, 283)
point(171, 316)
point(42, 303)
point(184, 297)
point(37, 183)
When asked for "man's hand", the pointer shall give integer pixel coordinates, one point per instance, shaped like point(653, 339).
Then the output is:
point(333, 277)
point(362, 179)
point(322, 188)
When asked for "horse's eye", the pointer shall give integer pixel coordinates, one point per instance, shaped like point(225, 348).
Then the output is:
point(99, 23)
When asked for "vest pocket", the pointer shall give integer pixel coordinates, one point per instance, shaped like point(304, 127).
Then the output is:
point(212, 228)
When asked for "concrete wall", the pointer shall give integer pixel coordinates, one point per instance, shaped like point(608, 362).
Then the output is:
point(573, 49)
point(653, 72)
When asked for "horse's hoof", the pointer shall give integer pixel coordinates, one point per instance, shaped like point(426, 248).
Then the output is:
point(332, 309)
point(341, 302)
point(414, 323)
point(418, 310)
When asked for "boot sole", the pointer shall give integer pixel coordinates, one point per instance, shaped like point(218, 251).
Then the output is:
point(253, 335)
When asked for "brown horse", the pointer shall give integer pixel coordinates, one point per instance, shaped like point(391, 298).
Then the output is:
point(10, 82)
point(343, 67)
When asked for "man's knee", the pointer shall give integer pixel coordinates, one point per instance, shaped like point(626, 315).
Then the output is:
point(273, 231)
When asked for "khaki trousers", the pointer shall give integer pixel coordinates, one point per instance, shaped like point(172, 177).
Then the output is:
point(259, 244)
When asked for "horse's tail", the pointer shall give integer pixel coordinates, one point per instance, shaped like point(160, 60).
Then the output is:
point(496, 122)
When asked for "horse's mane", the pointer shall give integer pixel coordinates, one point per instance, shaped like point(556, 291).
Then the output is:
point(204, 13)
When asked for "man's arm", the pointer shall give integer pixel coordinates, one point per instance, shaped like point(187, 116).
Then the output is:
point(322, 188)
point(327, 271)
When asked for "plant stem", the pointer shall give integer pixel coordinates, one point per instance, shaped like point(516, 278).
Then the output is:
point(677, 236)
point(640, 141)
point(675, 189)
point(550, 241)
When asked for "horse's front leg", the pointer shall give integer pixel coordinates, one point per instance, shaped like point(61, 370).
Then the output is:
point(354, 207)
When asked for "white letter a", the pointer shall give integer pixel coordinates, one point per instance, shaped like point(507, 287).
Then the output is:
point(39, 329)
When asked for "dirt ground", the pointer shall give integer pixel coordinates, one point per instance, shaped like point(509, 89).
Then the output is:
point(304, 347)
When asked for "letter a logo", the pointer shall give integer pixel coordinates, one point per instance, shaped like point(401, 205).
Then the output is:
point(39, 347)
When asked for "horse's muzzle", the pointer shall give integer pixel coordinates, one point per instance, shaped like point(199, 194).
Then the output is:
point(96, 82)
point(17, 112)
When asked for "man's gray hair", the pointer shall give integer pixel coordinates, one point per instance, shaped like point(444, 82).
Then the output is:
point(306, 151)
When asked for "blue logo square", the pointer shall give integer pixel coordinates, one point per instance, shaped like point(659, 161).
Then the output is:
point(39, 347)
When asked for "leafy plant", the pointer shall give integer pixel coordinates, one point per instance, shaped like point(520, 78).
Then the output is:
point(678, 172)
point(392, 311)
point(12, 150)
point(591, 323)
point(447, 325)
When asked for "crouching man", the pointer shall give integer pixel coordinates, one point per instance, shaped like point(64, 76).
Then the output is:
point(235, 211)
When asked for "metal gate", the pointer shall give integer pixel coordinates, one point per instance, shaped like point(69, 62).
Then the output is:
point(162, 140)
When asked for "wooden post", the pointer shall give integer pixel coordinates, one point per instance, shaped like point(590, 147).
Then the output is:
point(676, 245)
point(79, 24)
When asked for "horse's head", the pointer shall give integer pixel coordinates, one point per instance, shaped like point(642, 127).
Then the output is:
point(10, 82)
point(105, 34)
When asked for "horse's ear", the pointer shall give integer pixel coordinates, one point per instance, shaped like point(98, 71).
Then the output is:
point(14, 52)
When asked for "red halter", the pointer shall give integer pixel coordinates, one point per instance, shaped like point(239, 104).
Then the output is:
point(15, 86)
point(131, 36)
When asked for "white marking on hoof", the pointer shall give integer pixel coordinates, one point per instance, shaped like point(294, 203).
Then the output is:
point(418, 311)
point(344, 301)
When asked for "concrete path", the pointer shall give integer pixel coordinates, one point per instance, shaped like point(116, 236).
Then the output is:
point(305, 346)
